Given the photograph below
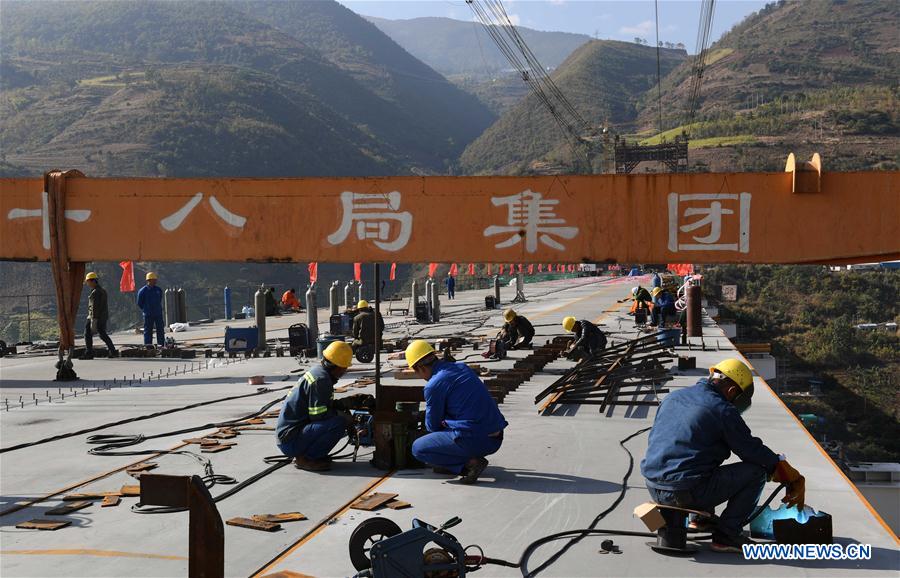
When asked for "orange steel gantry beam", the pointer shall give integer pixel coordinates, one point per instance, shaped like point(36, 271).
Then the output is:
point(802, 215)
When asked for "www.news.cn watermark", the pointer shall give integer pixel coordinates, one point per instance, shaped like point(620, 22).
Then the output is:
point(807, 551)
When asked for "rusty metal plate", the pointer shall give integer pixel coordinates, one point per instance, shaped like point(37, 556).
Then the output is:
point(398, 505)
point(373, 501)
point(41, 524)
point(68, 508)
point(254, 524)
point(110, 501)
point(276, 518)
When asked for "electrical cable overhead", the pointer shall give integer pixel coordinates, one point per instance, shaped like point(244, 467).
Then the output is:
point(707, 10)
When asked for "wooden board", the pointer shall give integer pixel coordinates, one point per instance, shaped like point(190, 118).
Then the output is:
point(41, 524)
point(276, 518)
point(372, 501)
point(398, 505)
point(130, 491)
point(68, 508)
point(214, 449)
point(88, 496)
point(110, 501)
point(253, 524)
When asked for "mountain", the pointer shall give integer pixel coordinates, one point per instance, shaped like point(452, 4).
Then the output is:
point(210, 88)
point(604, 80)
point(797, 77)
point(455, 47)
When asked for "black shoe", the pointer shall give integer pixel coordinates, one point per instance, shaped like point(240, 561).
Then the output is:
point(722, 542)
point(473, 470)
point(113, 353)
point(87, 355)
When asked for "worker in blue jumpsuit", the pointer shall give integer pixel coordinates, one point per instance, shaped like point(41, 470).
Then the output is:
point(308, 426)
point(696, 429)
point(462, 418)
point(150, 299)
point(451, 287)
point(663, 306)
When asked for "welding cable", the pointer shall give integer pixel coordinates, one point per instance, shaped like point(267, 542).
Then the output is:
point(578, 535)
point(260, 391)
point(112, 442)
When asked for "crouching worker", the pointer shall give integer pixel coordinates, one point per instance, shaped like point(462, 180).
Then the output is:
point(695, 430)
point(462, 418)
point(589, 339)
point(308, 426)
point(517, 332)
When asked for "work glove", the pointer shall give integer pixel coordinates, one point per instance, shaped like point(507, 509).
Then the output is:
point(796, 484)
point(93, 326)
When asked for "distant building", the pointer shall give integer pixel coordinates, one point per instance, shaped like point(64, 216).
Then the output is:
point(879, 482)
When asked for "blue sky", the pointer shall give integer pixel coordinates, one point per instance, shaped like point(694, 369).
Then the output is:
point(620, 20)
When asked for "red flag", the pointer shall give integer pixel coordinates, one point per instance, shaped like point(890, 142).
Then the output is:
point(571, 268)
point(357, 271)
point(454, 270)
point(313, 269)
point(540, 267)
point(512, 269)
point(432, 268)
point(471, 269)
point(393, 271)
point(531, 269)
point(126, 284)
point(488, 269)
point(560, 268)
point(500, 269)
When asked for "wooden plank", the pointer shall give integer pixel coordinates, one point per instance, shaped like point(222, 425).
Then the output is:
point(214, 449)
point(253, 524)
point(41, 524)
point(68, 508)
point(398, 505)
point(130, 491)
point(372, 501)
point(276, 518)
point(88, 496)
point(110, 501)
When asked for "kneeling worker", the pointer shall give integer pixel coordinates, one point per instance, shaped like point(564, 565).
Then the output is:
point(517, 332)
point(663, 307)
point(308, 427)
point(589, 339)
point(695, 430)
point(464, 421)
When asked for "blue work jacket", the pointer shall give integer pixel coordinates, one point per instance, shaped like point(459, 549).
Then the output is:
point(695, 430)
point(150, 299)
point(456, 400)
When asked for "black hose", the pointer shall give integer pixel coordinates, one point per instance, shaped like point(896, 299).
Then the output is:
point(21, 446)
point(578, 535)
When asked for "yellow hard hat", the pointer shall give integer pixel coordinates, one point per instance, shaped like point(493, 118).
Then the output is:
point(656, 291)
point(151, 275)
point(509, 315)
point(569, 323)
point(339, 353)
point(90, 276)
point(362, 304)
point(417, 350)
point(735, 370)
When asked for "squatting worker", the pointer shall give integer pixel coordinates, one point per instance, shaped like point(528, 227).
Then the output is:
point(308, 427)
point(289, 301)
point(589, 339)
point(695, 430)
point(464, 422)
point(368, 326)
point(98, 316)
point(150, 302)
point(517, 332)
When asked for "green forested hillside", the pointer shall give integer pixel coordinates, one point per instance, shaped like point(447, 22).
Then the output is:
point(604, 79)
point(162, 88)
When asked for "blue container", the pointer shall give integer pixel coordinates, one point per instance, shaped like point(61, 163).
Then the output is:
point(241, 338)
point(325, 341)
point(669, 337)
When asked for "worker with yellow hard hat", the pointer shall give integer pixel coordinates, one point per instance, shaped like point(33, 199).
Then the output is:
point(696, 429)
point(517, 332)
point(150, 301)
point(463, 420)
point(368, 326)
point(589, 339)
point(97, 318)
point(663, 307)
point(308, 427)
